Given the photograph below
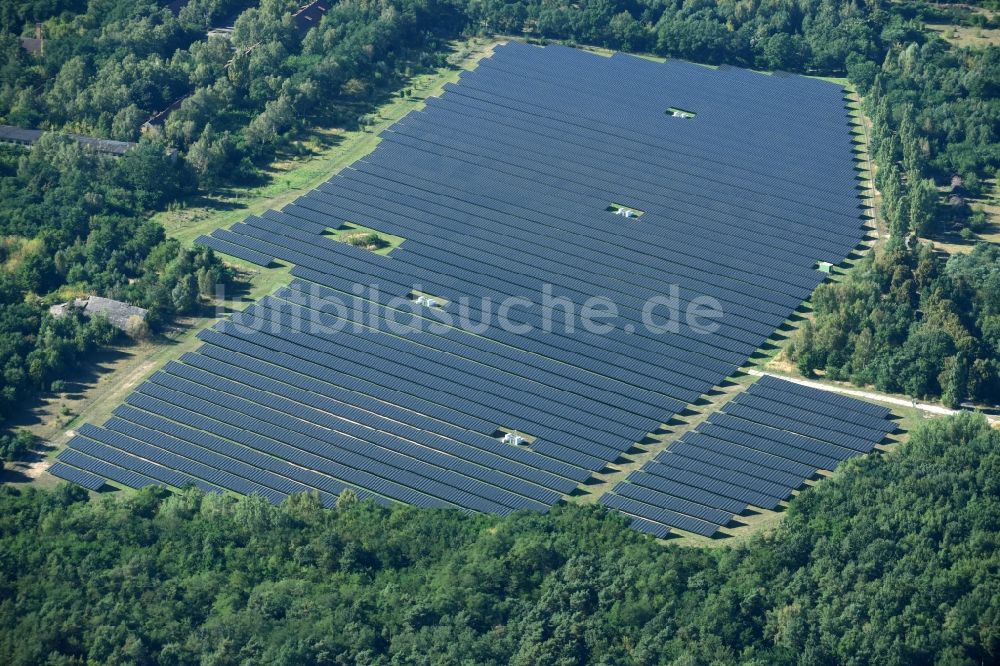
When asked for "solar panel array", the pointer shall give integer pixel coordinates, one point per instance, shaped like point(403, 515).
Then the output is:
point(501, 188)
point(77, 476)
point(755, 451)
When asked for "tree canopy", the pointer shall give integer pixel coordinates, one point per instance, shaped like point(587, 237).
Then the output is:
point(891, 561)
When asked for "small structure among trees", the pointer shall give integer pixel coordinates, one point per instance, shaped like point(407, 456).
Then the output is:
point(28, 137)
point(128, 318)
point(309, 16)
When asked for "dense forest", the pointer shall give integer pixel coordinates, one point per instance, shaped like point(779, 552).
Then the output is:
point(893, 561)
point(113, 65)
point(911, 320)
point(907, 321)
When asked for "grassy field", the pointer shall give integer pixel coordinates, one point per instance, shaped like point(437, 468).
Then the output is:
point(99, 387)
point(967, 36)
point(990, 203)
point(388, 241)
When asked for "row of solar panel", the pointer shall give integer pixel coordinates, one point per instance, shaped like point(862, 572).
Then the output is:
point(354, 206)
point(517, 143)
point(643, 114)
point(317, 302)
point(684, 265)
point(408, 212)
point(550, 100)
point(656, 72)
point(589, 188)
point(642, 98)
point(311, 430)
point(764, 444)
point(631, 309)
point(297, 313)
point(182, 462)
point(590, 195)
point(700, 388)
point(407, 441)
point(643, 105)
point(689, 163)
point(273, 403)
point(187, 418)
point(195, 440)
point(746, 86)
point(482, 237)
point(384, 274)
point(436, 436)
point(554, 342)
point(692, 379)
point(603, 257)
point(563, 461)
point(575, 440)
point(78, 476)
point(586, 197)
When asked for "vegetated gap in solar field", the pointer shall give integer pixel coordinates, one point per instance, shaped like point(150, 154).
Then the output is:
point(365, 238)
point(676, 112)
point(624, 211)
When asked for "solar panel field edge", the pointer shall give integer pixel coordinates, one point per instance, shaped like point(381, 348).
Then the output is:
point(413, 434)
point(369, 468)
point(288, 236)
point(416, 120)
point(824, 408)
point(279, 373)
point(671, 519)
point(113, 473)
point(234, 250)
point(401, 456)
point(844, 401)
point(81, 477)
point(389, 441)
point(805, 423)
